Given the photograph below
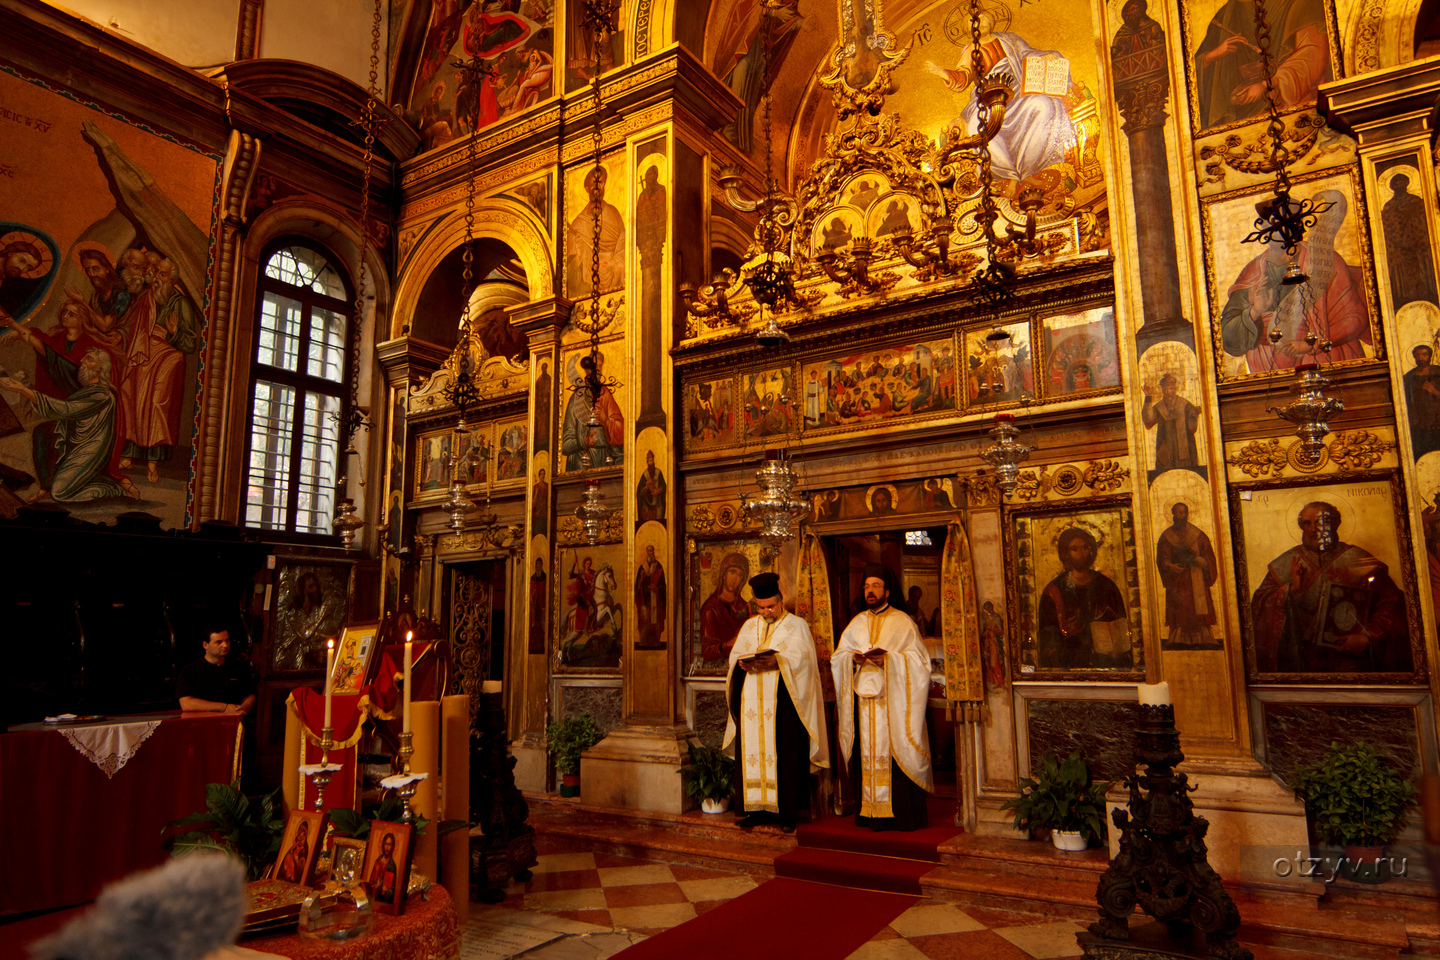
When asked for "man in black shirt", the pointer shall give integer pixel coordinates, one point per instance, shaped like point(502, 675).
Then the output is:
point(216, 682)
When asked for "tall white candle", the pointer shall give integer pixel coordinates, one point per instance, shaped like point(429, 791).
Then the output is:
point(329, 676)
point(1155, 694)
point(408, 638)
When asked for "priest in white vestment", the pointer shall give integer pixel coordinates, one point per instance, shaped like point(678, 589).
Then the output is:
point(882, 688)
point(777, 714)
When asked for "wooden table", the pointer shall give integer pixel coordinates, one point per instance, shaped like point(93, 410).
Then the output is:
point(67, 829)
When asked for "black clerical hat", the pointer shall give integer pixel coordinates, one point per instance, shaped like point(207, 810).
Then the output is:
point(765, 585)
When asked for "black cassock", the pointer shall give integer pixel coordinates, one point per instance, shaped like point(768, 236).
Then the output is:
point(792, 753)
point(907, 798)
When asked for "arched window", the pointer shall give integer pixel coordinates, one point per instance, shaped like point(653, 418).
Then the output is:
point(299, 385)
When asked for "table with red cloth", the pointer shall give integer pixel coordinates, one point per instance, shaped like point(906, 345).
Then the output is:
point(427, 930)
point(67, 830)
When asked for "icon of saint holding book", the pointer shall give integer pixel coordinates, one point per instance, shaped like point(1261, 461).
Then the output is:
point(1037, 131)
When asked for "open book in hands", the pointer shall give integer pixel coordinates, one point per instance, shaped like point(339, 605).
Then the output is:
point(761, 660)
point(875, 655)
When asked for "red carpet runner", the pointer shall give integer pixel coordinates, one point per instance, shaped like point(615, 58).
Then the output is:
point(781, 919)
point(793, 918)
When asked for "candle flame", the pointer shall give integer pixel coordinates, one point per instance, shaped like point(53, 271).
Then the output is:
point(409, 635)
point(330, 644)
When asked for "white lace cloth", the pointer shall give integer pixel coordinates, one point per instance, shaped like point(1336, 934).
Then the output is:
point(110, 745)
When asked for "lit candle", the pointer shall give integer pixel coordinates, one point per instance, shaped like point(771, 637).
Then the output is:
point(1155, 694)
point(409, 636)
point(329, 676)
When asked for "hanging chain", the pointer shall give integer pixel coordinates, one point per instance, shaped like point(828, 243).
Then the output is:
point(599, 17)
point(1279, 156)
point(987, 213)
point(765, 49)
point(352, 419)
point(597, 190)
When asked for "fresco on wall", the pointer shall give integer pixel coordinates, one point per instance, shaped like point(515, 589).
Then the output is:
point(754, 31)
point(709, 414)
point(432, 463)
point(1077, 591)
point(1418, 326)
point(879, 384)
point(1139, 61)
point(1051, 135)
point(1330, 588)
point(473, 453)
point(583, 448)
point(999, 371)
point(510, 451)
point(1186, 562)
point(589, 594)
point(103, 288)
point(580, 244)
point(1409, 268)
point(1227, 86)
point(1080, 355)
point(581, 49)
point(898, 499)
point(515, 42)
point(768, 403)
point(1170, 381)
point(1247, 295)
point(721, 600)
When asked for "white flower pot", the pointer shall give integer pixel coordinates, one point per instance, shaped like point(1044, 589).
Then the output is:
point(1068, 839)
point(709, 805)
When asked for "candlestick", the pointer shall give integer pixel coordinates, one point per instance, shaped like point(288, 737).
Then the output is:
point(407, 750)
point(329, 676)
point(1154, 694)
point(406, 727)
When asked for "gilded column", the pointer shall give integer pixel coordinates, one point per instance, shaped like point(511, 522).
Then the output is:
point(530, 654)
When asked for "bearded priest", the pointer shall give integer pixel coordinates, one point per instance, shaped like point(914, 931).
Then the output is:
point(882, 687)
point(777, 715)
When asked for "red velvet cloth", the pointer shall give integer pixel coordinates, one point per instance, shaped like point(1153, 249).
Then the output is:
point(344, 712)
point(424, 668)
point(66, 830)
point(428, 930)
point(346, 717)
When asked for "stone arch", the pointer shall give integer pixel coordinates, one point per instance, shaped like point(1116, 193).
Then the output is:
point(1379, 34)
point(333, 229)
point(495, 219)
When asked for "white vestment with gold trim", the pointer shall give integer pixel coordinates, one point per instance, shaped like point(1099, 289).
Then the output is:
point(892, 703)
point(789, 637)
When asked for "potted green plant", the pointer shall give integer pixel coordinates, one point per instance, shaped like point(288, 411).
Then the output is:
point(567, 738)
point(250, 828)
point(708, 778)
point(1358, 801)
point(1063, 799)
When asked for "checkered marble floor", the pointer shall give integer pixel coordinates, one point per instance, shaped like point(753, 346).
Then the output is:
point(593, 905)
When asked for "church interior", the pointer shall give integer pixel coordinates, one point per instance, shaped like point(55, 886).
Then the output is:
point(500, 376)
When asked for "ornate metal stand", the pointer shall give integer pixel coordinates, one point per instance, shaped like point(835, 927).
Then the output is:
point(507, 848)
point(1163, 863)
point(321, 773)
point(405, 783)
